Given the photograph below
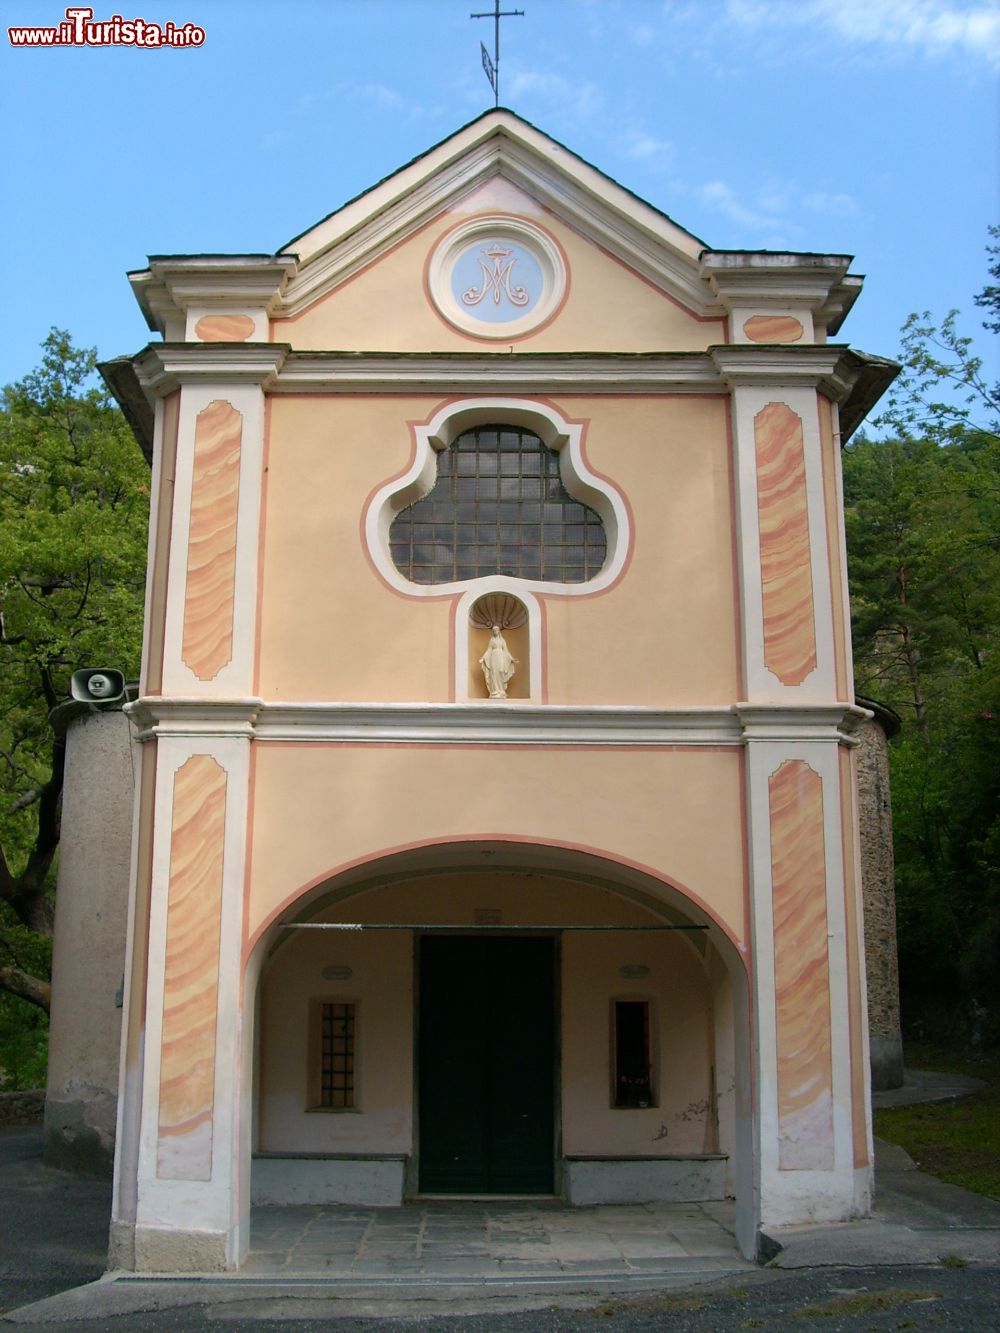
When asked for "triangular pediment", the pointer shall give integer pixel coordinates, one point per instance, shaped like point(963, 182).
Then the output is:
point(598, 268)
point(498, 162)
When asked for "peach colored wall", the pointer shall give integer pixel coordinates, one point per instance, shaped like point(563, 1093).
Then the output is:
point(522, 899)
point(382, 985)
point(664, 635)
point(682, 1045)
point(386, 308)
point(321, 808)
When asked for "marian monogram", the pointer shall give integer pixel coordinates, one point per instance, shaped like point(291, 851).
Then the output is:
point(497, 278)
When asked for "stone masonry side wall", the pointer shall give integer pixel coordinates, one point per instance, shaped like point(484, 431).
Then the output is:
point(878, 892)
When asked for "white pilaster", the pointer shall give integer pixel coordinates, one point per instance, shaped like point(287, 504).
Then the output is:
point(164, 1238)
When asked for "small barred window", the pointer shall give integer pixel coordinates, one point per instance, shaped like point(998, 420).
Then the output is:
point(336, 1084)
point(633, 1065)
point(498, 506)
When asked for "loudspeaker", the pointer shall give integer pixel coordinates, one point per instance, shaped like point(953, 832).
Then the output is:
point(97, 685)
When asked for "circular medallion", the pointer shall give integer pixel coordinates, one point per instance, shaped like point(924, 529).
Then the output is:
point(497, 277)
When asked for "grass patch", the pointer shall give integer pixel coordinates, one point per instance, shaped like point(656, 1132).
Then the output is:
point(680, 1304)
point(864, 1302)
point(957, 1141)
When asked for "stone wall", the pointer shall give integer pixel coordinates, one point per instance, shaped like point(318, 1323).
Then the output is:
point(21, 1108)
point(878, 891)
point(88, 960)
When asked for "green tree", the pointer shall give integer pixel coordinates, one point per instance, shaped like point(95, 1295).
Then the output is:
point(74, 495)
point(923, 533)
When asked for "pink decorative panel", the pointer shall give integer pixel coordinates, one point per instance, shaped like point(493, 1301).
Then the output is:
point(191, 980)
point(801, 969)
point(786, 575)
point(211, 570)
point(224, 328)
point(773, 329)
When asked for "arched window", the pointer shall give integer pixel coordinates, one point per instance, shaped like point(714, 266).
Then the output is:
point(498, 506)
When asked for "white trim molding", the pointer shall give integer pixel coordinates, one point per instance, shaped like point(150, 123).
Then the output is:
point(490, 722)
point(557, 433)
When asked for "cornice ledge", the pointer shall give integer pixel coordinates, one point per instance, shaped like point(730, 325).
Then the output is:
point(738, 275)
point(826, 366)
point(506, 723)
point(154, 716)
point(834, 723)
point(352, 371)
point(171, 283)
point(163, 367)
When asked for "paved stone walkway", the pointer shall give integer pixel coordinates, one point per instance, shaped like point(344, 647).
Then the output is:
point(462, 1239)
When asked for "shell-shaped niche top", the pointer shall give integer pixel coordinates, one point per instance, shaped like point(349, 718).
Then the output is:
point(498, 497)
point(498, 608)
point(497, 277)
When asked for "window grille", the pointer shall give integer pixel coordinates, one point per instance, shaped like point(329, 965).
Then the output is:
point(633, 1074)
point(498, 506)
point(336, 1091)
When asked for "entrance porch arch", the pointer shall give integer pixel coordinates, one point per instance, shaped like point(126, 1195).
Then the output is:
point(668, 953)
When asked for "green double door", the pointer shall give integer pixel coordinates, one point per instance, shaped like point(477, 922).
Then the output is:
point(486, 1065)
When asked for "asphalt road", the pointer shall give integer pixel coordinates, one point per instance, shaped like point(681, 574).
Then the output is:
point(53, 1229)
point(950, 1300)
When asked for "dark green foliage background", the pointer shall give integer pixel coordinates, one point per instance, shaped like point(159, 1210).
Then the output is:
point(922, 508)
point(74, 497)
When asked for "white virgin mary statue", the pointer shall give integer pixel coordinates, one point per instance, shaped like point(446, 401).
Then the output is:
point(498, 665)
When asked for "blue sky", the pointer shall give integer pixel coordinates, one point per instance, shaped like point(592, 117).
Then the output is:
point(867, 127)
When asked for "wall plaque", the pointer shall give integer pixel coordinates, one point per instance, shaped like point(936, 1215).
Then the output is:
point(338, 972)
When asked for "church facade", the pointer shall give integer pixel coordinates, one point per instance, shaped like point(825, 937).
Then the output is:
point(496, 827)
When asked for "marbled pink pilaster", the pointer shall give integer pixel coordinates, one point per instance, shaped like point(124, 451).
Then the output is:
point(801, 969)
point(191, 978)
point(785, 568)
point(211, 569)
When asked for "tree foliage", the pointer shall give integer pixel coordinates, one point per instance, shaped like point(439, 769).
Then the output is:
point(923, 536)
point(74, 495)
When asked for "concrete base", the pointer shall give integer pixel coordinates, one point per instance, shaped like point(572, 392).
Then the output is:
point(644, 1179)
point(161, 1250)
point(80, 1132)
point(886, 1062)
point(165, 1250)
point(376, 1182)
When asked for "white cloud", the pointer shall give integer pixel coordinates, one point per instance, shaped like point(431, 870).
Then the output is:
point(642, 34)
point(724, 199)
point(570, 97)
point(389, 99)
point(929, 27)
point(771, 211)
point(647, 148)
point(833, 205)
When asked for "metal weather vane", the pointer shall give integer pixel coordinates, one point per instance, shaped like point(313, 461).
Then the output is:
point(492, 67)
